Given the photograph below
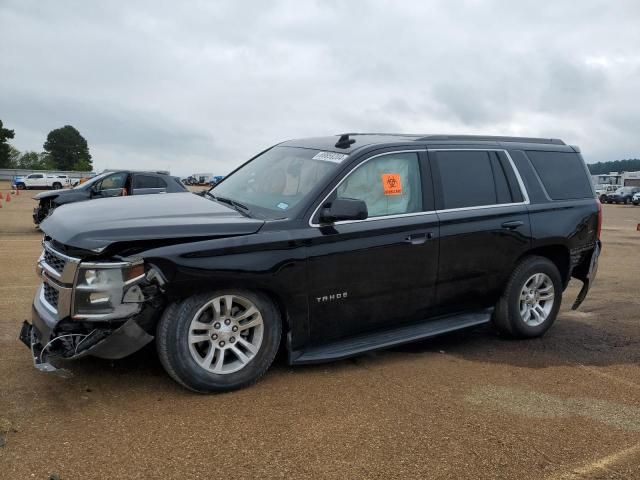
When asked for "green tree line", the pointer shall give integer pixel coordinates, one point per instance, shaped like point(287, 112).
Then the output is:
point(64, 149)
point(629, 165)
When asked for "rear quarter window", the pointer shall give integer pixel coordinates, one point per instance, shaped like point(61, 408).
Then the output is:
point(148, 181)
point(563, 175)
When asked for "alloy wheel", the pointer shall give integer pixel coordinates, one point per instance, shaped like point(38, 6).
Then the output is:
point(536, 299)
point(225, 334)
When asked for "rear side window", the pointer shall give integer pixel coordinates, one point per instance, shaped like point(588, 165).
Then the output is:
point(562, 174)
point(474, 178)
point(147, 181)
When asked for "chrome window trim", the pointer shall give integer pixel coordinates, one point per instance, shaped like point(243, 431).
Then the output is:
point(398, 215)
point(523, 190)
point(482, 207)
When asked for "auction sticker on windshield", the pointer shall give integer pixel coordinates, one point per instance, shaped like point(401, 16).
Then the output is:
point(330, 156)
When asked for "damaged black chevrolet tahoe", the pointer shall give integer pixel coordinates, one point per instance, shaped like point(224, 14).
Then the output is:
point(328, 247)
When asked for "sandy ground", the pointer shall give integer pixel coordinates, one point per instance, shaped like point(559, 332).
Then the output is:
point(465, 406)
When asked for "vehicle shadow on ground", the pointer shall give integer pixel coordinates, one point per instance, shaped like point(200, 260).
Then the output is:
point(569, 342)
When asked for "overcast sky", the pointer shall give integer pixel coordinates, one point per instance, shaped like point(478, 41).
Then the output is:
point(201, 86)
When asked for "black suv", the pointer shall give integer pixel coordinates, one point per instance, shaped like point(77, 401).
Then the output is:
point(107, 184)
point(330, 246)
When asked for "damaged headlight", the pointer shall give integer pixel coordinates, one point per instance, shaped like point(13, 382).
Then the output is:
point(106, 291)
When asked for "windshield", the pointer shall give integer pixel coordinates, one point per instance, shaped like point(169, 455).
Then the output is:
point(624, 190)
point(278, 179)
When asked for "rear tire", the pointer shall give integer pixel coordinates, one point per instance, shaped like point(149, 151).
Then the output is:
point(57, 186)
point(219, 341)
point(531, 300)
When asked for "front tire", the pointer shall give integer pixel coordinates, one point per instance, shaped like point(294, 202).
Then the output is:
point(531, 300)
point(219, 341)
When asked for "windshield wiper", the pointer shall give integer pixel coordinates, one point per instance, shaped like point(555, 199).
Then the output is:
point(243, 209)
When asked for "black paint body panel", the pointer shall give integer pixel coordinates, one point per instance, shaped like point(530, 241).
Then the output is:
point(391, 277)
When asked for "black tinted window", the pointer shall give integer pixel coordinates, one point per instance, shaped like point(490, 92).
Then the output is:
point(472, 178)
point(148, 181)
point(503, 192)
point(179, 183)
point(562, 174)
point(512, 181)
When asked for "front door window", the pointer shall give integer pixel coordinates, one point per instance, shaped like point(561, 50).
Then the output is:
point(389, 184)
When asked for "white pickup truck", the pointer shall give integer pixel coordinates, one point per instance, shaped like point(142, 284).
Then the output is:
point(603, 189)
point(43, 181)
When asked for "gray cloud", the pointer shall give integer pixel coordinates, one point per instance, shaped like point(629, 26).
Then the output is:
point(201, 85)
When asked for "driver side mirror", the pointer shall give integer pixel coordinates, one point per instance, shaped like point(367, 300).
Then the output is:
point(344, 209)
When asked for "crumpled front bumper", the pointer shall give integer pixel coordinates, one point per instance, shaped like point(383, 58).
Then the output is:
point(49, 336)
point(58, 330)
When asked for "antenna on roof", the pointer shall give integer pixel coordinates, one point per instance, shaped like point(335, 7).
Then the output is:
point(345, 141)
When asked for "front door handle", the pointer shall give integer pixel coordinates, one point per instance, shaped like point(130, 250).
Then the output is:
point(513, 224)
point(418, 238)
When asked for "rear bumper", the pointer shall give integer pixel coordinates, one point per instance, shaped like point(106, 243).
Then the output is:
point(586, 271)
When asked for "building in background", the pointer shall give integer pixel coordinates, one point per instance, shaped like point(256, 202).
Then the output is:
point(625, 179)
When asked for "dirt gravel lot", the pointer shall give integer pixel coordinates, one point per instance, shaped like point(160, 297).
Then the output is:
point(465, 406)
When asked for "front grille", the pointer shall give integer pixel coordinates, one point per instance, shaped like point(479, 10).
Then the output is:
point(54, 261)
point(50, 295)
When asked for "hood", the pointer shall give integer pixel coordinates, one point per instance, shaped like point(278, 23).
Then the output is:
point(52, 193)
point(96, 224)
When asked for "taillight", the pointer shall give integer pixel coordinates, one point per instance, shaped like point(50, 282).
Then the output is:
point(599, 219)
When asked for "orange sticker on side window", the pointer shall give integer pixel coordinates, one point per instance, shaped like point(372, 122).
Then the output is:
point(391, 184)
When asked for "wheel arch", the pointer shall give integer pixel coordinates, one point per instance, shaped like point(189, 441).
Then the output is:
point(278, 298)
point(559, 255)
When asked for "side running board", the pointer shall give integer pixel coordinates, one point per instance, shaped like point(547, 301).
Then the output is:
point(384, 339)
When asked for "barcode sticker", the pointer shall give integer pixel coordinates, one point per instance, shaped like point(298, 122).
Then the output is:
point(330, 156)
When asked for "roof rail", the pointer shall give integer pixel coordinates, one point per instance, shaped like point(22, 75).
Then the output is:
point(484, 138)
point(159, 172)
point(381, 134)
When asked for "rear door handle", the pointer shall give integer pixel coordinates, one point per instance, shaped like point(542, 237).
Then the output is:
point(513, 224)
point(418, 238)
